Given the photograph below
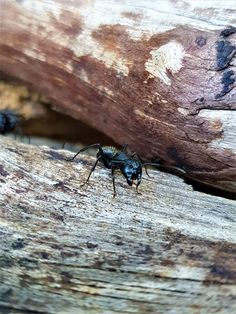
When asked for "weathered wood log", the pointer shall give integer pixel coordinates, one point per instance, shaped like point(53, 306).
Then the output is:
point(157, 75)
point(72, 249)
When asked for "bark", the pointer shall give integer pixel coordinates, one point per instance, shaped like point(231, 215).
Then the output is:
point(72, 249)
point(159, 76)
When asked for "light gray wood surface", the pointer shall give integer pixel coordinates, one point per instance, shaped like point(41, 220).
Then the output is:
point(72, 249)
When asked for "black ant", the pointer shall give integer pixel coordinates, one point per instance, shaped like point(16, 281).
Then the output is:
point(9, 121)
point(130, 165)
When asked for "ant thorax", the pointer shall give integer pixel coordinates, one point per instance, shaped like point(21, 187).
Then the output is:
point(106, 155)
point(109, 150)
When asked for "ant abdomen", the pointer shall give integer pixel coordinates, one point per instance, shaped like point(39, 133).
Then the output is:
point(9, 121)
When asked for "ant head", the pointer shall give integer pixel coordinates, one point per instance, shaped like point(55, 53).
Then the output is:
point(132, 170)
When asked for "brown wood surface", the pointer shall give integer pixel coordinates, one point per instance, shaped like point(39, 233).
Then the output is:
point(159, 76)
point(41, 120)
point(72, 249)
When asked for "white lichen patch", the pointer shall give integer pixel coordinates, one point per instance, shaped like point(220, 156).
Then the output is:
point(111, 59)
point(183, 111)
point(106, 90)
point(226, 120)
point(152, 18)
point(84, 76)
point(167, 57)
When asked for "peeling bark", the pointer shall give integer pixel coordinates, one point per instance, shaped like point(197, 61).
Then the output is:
point(72, 249)
point(142, 74)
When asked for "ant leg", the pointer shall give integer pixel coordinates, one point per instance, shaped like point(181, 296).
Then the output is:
point(18, 131)
point(147, 172)
point(113, 181)
point(92, 170)
point(124, 147)
point(151, 164)
point(137, 185)
point(85, 148)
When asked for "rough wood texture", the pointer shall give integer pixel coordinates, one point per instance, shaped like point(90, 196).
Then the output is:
point(67, 249)
point(159, 75)
point(39, 118)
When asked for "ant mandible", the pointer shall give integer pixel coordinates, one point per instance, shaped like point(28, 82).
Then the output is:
point(130, 165)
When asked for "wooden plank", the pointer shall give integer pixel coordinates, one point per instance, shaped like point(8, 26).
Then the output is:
point(72, 249)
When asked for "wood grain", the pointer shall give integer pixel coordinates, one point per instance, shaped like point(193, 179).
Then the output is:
point(159, 76)
point(72, 249)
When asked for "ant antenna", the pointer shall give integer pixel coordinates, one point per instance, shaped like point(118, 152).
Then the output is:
point(84, 149)
point(182, 171)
